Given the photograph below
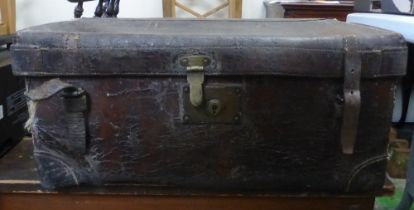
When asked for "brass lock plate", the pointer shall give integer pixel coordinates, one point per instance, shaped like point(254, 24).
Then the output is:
point(221, 105)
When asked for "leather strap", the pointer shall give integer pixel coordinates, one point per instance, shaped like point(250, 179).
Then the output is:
point(75, 105)
point(352, 96)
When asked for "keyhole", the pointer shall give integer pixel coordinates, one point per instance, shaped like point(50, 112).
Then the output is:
point(214, 107)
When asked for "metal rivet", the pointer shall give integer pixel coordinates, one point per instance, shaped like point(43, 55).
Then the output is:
point(206, 61)
point(184, 61)
point(236, 118)
point(186, 89)
point(186, 118)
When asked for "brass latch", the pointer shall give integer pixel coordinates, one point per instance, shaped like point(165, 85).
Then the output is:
point(208, 103)
point(195, 65)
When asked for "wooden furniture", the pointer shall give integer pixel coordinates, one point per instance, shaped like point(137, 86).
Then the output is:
point(20, 190)
point(105, 8)
point(318, 10)
point(8, 17)
point(234, 9)
point(81, 201)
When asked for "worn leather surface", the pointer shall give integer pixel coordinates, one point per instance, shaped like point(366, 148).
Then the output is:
point(288, 138)
point(311, 48)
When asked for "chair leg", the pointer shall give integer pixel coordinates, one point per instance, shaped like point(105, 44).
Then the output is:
point(110, 11)
point(116, 8)
point(99, 9)
point(79, 9)
point(412, 7)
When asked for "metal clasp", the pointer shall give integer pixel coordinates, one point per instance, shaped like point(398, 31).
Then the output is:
point(195, 65)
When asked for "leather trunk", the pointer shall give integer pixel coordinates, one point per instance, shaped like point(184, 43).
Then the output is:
point(216, 105)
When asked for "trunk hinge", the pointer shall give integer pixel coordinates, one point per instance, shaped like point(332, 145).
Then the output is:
point(352, 96)
point(195, 65)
